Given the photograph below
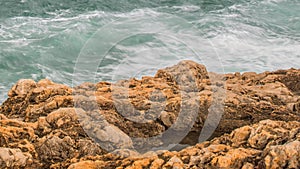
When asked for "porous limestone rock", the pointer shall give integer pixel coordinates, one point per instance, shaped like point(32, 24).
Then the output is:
point(52, 125)
point(281, 151)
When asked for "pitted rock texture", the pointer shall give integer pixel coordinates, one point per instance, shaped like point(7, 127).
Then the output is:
point(44, 124)
point(267, 144)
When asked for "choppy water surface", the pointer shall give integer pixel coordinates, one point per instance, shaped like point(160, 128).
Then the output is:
point(43, 39)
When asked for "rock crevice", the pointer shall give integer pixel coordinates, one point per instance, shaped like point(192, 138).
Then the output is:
point(256, 124)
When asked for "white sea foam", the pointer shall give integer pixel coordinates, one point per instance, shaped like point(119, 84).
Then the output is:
point(247, 36)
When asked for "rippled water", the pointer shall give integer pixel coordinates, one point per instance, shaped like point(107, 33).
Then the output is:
point(43, 38)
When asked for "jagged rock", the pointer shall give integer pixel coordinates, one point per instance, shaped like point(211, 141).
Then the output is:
point(14, 158)
point(86, 164)
point(282, 156)
point(22, 88)
point(54, 149)
point(57, 126)
point(226, 151)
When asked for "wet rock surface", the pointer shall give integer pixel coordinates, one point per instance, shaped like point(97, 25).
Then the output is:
point(251, 120)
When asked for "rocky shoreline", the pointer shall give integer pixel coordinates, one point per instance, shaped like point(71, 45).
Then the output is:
point(122, 125)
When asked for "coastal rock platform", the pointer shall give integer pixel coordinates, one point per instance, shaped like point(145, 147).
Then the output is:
point(248, 120)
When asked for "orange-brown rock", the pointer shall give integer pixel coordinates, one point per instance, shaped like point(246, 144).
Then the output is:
point(269, 144)
point(44, 124)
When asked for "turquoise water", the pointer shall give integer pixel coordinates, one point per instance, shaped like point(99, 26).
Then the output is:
point(44, 38)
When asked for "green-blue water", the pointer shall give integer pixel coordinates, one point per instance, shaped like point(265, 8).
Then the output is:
point(43, 38)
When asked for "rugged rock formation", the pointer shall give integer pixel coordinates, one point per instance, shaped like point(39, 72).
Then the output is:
point(44, 124)
point(267, 144)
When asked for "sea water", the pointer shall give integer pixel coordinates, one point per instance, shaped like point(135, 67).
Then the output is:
point(46, 39)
